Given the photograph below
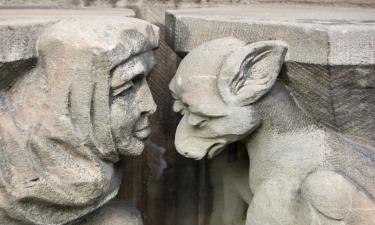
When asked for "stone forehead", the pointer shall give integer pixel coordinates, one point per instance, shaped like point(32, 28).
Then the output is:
point(198, 71)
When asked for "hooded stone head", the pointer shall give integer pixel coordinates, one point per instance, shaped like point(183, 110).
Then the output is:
point(65, 123)
point(215, 89)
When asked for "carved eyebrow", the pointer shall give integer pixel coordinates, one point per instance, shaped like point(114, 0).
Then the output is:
point(208, 111)
point(124, 82)
point(147, 59)
point(127, 71)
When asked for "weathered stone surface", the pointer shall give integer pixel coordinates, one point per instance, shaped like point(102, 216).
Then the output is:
point(300, 171)
point(229, 180)
point(115, 212)
point(314, 35)
point(71, 114)
point(327, 51)
point(122, 3)
point(20, 28)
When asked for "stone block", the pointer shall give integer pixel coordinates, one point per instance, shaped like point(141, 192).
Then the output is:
point(314, 34)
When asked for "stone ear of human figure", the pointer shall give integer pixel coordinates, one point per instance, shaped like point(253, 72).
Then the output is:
point(66, 123)
point(301, 172)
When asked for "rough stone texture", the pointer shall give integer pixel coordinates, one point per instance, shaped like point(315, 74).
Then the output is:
point(314, 35)
point(182, 189)
point(20, 28)
point(115, 212)
point(229, 179)
point(153, 178)
point(19, 31)
point(164, 193)
point(122, 3)
point(328, 52)
point(300, 171)
point(79, 104)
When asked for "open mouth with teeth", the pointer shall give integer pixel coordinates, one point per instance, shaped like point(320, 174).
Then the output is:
point(197, 148)
point(215, 149)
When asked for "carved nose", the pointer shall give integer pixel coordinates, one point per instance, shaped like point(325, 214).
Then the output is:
point(147, 103)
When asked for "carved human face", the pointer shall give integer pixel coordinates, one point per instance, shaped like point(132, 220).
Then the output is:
point(131, 104)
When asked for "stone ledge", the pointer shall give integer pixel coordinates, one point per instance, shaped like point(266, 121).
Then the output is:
point(9, 13)
point(317, 35)
point(19, 28)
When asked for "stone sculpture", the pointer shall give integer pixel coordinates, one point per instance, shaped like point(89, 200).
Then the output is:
point(301, 172)
point(68, 118)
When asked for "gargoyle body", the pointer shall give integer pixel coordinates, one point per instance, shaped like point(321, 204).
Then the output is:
point(301, 172)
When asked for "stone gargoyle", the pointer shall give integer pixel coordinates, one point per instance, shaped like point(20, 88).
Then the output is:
point(68, 119)
point(301, 172)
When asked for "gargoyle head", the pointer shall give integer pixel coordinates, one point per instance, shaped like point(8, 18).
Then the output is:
point(215, 88)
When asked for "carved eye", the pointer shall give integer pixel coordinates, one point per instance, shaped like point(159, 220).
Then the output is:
point(203, 123)
point(137, 79)
point(197, 120)
point(123, 89)
point(128, 86)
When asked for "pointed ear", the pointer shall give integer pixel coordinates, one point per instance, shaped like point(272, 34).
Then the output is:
point(250, 72)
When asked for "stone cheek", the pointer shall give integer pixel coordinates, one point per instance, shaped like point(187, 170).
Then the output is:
point(57, 155)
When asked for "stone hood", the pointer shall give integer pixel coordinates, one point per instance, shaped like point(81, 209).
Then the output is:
point(57, 156)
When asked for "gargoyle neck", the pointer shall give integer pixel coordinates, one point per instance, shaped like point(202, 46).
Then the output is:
point(280, 112)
